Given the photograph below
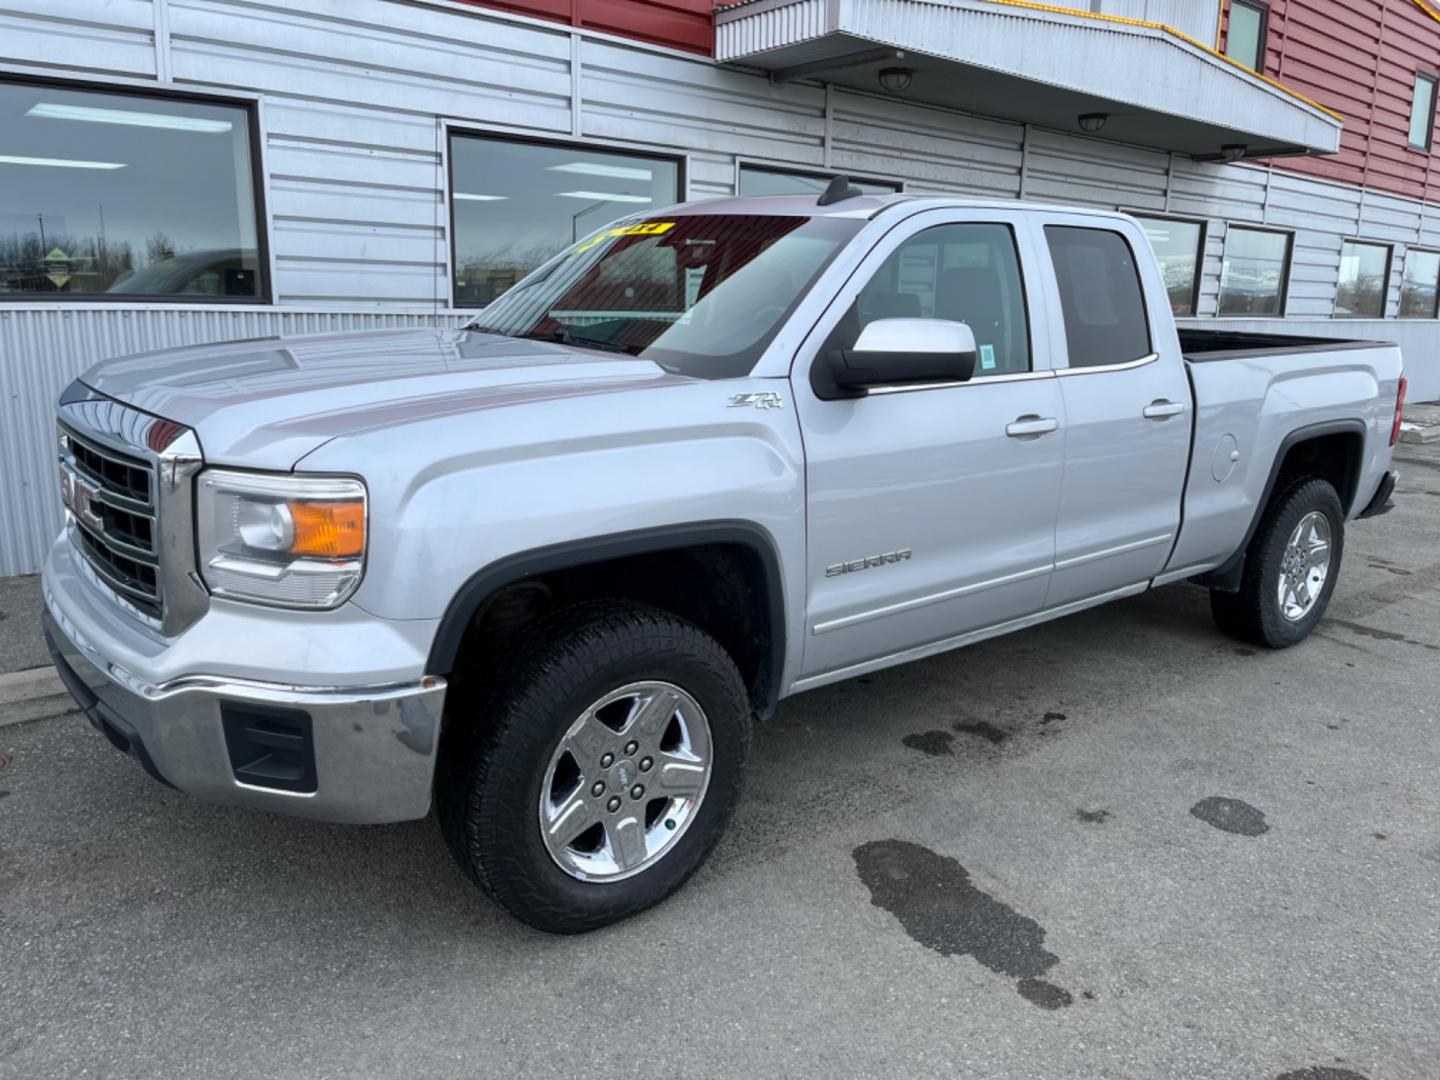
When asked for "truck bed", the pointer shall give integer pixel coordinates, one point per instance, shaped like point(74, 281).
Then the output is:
point(1206, 346)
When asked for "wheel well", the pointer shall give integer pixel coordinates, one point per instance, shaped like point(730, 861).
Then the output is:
point(727, 588)
point(1331, 452)
point(1334, 457)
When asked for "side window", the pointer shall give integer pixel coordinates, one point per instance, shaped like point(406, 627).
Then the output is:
point(1100, 296)
point(964, 273)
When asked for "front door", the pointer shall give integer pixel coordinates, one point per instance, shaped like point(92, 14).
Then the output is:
point(1127, 409)
point(932, 509)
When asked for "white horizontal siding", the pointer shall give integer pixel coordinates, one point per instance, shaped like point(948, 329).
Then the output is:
point(116, 36)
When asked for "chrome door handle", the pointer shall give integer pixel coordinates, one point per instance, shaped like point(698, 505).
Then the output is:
point(1162, 409)
point(1031, 424)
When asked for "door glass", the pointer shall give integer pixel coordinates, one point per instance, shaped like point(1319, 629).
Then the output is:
point(1100, 297)
point(964, 273)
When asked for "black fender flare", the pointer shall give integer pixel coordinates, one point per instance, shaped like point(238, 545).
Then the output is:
point(445, 649)
point(1226, 576)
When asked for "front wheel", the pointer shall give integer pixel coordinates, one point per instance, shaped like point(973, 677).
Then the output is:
point(603, 769)
point(1290, 569)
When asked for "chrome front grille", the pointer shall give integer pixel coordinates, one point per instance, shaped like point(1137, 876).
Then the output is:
point(111, 499)
point(127, 481)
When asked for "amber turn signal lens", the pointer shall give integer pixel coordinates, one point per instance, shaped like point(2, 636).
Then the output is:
point(328, 530)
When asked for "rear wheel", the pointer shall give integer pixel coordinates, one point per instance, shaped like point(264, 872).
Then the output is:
point(601, 771)
point(1291, 567)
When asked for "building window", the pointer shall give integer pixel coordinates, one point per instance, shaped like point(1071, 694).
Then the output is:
point(1100, 296)
point(126, 197)
point(1255, 272)
point(515, 204)
point(1420, 285)
point(1245, 39)
point(763, 180)
point(1422, 112)
point(1364, 280)
point(1179, 246)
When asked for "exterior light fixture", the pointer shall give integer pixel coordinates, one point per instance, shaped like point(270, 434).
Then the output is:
point(1233, 151)
point(1092, 121)
point(895, 79)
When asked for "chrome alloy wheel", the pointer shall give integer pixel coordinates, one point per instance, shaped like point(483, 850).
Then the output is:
point(1304, 566)
point(625, 781)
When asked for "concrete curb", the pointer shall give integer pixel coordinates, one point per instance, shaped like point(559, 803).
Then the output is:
point(36, 694)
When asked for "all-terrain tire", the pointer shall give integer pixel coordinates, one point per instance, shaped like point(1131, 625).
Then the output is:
point(494, 761)
point(1254, 613)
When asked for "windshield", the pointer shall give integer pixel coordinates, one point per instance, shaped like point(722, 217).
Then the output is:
point(699, 294)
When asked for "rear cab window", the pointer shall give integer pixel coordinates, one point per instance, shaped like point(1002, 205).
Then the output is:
point(1101, 298)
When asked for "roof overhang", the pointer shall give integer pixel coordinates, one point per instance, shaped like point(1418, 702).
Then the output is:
point(1034, 63)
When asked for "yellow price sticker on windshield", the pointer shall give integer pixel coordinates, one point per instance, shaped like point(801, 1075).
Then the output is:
point(645, 228)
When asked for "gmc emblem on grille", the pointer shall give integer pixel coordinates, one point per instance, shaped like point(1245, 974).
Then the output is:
point(79, 498)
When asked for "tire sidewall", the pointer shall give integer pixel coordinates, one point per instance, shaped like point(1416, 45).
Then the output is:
point(1312, 495)
point(510, 806)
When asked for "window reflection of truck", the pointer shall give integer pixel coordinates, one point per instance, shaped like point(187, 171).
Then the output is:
point(214, 272)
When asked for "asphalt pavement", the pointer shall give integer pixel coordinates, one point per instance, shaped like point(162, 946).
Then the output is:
point(1119, 845)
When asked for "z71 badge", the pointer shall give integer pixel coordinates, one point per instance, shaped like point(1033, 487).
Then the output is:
point(866, 563)
point(766, 399)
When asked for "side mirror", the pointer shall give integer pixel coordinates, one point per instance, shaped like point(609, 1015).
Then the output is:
point(897, 352)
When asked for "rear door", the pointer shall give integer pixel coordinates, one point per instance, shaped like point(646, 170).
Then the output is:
point(1127, 408)
point(931, 509)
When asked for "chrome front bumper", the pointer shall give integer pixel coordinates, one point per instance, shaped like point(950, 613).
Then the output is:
point(371, 749)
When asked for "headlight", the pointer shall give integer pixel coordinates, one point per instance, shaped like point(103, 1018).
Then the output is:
point(292, 541)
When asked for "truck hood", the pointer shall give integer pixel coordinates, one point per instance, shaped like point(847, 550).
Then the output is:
point(267, 402)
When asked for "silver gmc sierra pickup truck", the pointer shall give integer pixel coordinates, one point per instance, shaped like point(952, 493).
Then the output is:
point(543, 571)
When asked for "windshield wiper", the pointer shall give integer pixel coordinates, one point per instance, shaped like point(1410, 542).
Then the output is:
point(565, 337)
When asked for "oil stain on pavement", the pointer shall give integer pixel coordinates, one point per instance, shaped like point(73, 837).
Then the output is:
point(1231, 815)
point(938, 907)
point(934, 743)
point(1321, 1072)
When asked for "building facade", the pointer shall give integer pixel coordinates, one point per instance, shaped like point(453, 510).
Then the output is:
point(182, 171)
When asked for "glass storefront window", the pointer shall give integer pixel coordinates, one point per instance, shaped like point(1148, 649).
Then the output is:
point(515, 204)
point(1420, 286)
point(1255, 272)
point(1364, 280)
point(136, 195)
point(1177, 248)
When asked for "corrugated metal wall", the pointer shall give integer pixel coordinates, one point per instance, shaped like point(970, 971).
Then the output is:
point(352, 98)
point(41, 351)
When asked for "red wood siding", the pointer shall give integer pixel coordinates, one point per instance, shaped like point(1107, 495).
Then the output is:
point(1359, 57)
point(681, 24)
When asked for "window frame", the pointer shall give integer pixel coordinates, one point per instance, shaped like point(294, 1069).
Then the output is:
point(1289, 234)
point(755, 165)
point(251, 104)
point(1435, 307)
point(1385, 290)
point(1421, 75)
point(1196, 289)
point(452, 128)
point(1261, 8)
point(1152, 352)
point(858, 276)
